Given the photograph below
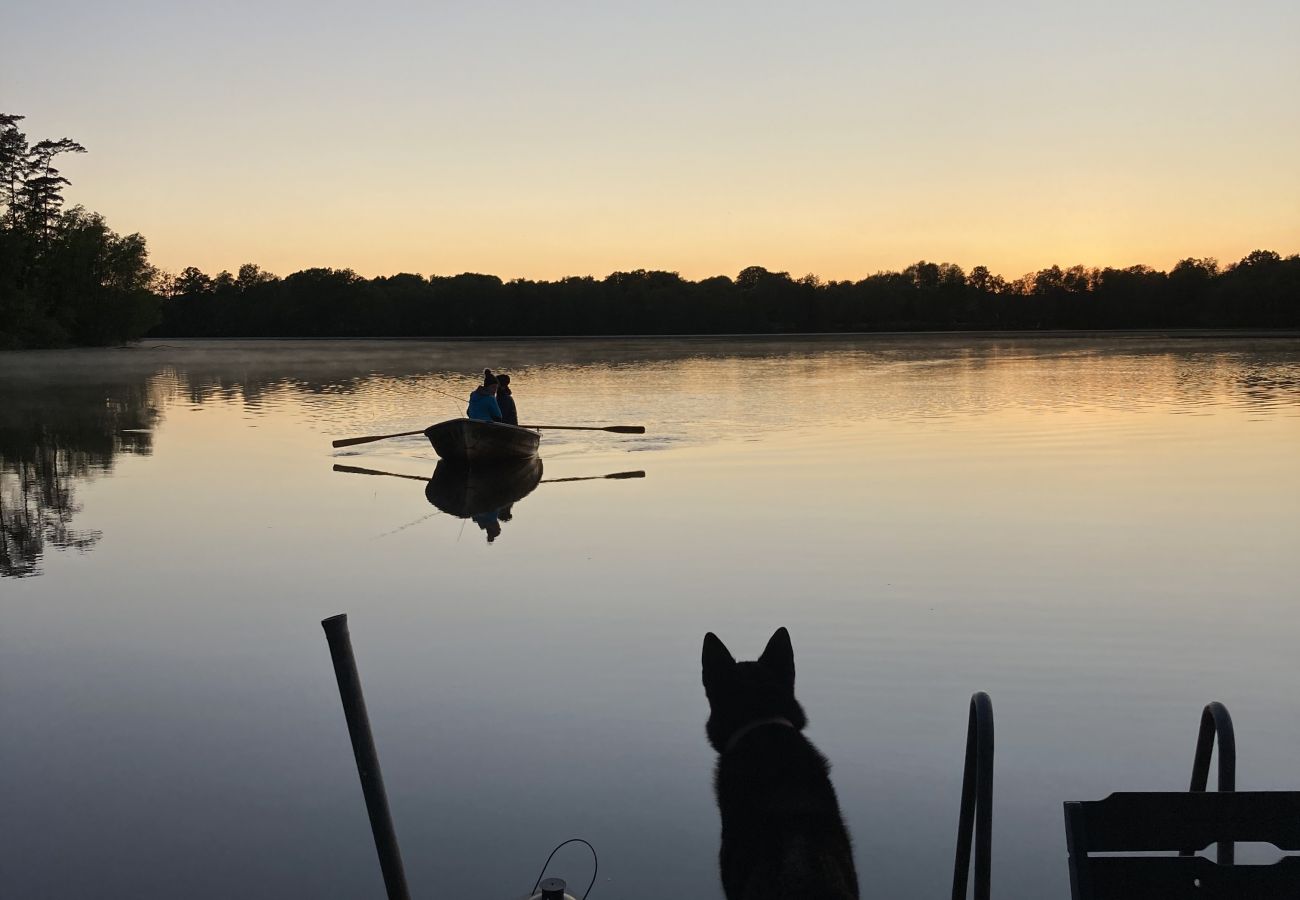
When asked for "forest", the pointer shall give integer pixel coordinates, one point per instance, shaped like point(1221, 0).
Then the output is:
point(1260, 291)
point(67, 279)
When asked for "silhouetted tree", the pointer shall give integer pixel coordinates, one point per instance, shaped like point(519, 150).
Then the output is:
point(41, 195)
point(65, 277)
point(192, 283)
point(13, 153)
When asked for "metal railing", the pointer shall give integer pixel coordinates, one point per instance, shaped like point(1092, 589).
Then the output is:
point(1216, 723)
point(976, 816)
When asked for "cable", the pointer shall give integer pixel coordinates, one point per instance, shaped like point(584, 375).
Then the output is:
point(595, 865)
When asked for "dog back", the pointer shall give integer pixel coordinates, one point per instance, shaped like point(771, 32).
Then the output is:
point(782, 832)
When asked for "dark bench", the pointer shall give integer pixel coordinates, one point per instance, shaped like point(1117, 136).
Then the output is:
point(1173, 822)
point(1184, 823)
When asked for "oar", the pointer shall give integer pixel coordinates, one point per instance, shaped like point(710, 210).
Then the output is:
point(348, 442)
point(617, 429)
point(637, 474)
point(358, 470)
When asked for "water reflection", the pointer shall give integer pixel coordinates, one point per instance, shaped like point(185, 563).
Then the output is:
point(486, 494)
point(65, 415)
point(52, 436)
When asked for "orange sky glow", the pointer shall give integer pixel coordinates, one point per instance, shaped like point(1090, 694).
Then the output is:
point(586, 138)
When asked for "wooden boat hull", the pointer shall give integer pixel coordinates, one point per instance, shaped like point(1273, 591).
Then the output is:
point(465, 491)
point(471, 441)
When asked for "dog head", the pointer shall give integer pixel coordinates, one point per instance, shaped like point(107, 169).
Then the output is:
point(741, 693)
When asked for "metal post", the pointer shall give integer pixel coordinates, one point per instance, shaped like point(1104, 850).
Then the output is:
point(363, 748)
point(1216, 723)
point(976, 814)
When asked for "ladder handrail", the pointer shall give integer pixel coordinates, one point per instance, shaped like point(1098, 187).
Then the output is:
point(1216, 723)
point(976, 813)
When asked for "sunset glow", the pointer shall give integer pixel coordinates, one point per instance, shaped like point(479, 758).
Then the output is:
point(542, 140)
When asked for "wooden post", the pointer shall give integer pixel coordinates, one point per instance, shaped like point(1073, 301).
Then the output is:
point(363, 748)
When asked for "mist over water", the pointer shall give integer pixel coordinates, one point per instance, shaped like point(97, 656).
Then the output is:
point(1098, 532)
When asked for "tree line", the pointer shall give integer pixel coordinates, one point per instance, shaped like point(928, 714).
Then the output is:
point(65, 276)
point(67, 279)
point(1260, 291)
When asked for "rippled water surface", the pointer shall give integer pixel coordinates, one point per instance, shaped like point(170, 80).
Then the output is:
point(1101, 533)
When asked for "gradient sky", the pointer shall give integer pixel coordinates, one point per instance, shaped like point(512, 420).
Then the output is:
point(544, 139)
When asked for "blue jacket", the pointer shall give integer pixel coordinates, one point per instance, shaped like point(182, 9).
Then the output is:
point(483, 407)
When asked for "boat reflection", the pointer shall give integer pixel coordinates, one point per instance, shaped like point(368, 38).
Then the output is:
point(484, 493)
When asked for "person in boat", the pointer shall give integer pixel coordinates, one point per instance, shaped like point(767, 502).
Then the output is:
point(506, 400)
point(483, 404)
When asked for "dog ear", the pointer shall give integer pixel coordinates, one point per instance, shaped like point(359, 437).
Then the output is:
point(715, 659)
point(778, 655)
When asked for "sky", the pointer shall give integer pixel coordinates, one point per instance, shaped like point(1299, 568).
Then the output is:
point(531, 139)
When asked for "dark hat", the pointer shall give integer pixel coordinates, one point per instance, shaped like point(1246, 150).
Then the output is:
point(503, 378)
point(488, 377)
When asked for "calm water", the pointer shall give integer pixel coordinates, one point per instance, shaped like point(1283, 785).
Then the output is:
point(1101, 533)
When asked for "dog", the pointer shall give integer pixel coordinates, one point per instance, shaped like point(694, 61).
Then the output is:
point(782, 832)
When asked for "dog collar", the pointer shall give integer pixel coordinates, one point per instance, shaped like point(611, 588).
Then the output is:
point(758, 723)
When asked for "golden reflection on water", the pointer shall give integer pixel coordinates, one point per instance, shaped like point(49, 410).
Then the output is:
point(753, 383)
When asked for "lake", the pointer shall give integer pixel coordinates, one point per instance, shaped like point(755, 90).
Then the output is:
point(1101, 532)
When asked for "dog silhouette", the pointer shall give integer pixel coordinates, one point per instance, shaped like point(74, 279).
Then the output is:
point(782, 832)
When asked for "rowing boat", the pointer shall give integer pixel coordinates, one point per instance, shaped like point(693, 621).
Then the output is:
point(472, 441)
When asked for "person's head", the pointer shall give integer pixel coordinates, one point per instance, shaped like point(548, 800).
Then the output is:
point(489, 381)
point(503, 380)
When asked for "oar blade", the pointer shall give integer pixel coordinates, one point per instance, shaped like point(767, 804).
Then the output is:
point(626, 429)
point(357, 470)
point(348, 442)
point(640, 473)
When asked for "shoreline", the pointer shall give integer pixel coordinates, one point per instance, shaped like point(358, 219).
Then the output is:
point(1169, 333)
point(163, 343)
